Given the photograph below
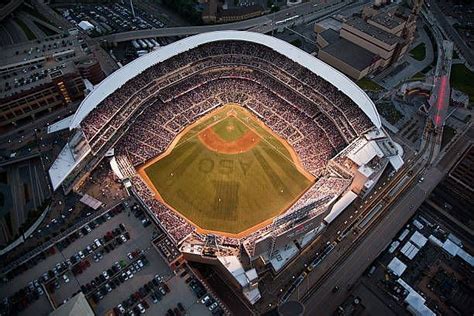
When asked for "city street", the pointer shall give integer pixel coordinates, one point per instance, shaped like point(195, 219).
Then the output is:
point(349, 270)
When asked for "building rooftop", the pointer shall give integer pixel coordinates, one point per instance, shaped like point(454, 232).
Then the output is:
point(331, 36)
point(77, 305)
point(30, 51)
point(349, 53)
point(25, 66)
point(387, 19)
point(340, 206)
point(373, 31)
point(397, 266)
point(240, 11)
point(330, 23)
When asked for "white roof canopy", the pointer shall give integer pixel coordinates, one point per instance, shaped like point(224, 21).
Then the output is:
point(418, 239)
point(119, 77)
point(396, 266)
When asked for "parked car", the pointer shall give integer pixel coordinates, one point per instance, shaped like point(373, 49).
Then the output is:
point(141, 308)
point(120, 308)
point(213, 306)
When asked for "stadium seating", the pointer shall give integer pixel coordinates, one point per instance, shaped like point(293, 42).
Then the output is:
point(312, 115)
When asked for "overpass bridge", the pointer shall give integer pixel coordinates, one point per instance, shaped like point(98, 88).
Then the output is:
point(440, 95)
point(9, 7)
point(302, 13)
point(181, 30)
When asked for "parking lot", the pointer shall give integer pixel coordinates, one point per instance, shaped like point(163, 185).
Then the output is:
point(139, 238)
point(179, 292)
point(80, 264)
point(111, 18)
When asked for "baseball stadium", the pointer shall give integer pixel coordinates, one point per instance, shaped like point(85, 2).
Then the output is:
point(238, 145)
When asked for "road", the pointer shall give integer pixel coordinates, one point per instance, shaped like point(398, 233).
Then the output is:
point(8, 8)
point(28, 20)
point(306, 11)
point(5, 36)
point(451, 33)
point(275, 287)
point(358, 255)
point(360, 258)
point(14, 30)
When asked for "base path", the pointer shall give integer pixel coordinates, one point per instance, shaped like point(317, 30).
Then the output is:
point(214, 142)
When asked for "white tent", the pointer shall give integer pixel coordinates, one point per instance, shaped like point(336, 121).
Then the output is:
point(396, 266)
point(418, 239)
point(86, 25)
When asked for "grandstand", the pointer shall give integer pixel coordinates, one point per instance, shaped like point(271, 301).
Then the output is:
point(139, 110)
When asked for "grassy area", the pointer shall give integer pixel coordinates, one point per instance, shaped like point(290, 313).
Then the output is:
point(297, 42)
point(29, 34)
point(448, 134)
point(228, 192)
point(419, 76)
point(389, 112)
point(230, 129)
point(462, 79)
point(427, 69)
point(434, 45)
point(368, 84)
point(419, 52)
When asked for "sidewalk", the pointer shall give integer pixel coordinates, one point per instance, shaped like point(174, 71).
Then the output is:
point(388, 79)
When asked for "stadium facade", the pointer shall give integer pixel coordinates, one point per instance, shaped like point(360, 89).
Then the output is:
point(332, 124)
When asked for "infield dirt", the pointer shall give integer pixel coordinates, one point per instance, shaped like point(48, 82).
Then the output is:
point(227, 173)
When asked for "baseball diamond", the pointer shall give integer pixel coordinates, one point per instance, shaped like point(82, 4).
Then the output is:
point(228, 173)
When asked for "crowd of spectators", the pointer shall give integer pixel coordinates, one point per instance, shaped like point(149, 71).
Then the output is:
point(315, 139)
point(310, 113)
point(176, 227)
point(315, 94)
point(325, 187)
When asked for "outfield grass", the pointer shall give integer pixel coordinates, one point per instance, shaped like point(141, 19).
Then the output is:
point(419, 52)
point(462, 79)
point(228, 193)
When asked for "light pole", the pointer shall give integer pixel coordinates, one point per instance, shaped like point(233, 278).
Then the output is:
point(131, 6)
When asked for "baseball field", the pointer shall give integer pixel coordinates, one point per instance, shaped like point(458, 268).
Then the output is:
point(227, 173)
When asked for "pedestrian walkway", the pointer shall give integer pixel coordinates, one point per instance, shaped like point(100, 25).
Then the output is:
point(393, 76)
